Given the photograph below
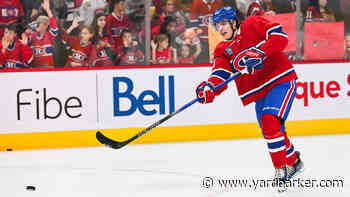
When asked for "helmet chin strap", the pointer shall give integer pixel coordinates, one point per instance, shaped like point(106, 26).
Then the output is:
point(234, 30)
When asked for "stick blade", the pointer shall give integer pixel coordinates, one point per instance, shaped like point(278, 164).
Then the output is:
point(109, 142)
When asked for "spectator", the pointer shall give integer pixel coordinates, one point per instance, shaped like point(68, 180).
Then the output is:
point(319, 11)
point(83, 52)
point(200, 14)
point(260, 7)
point(99, 26)
point(129, 53)
point(190, 36)
point(117, 21)
point(186, 57)
point(161, 52)
point(105, 55)
point(11, 11)
point(14, 53)
point(168, 27)
point(171, 10)
point(42, 40)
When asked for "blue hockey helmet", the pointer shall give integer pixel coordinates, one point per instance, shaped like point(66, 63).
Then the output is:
point(226, 13)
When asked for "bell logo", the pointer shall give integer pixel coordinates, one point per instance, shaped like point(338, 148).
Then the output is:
point(139, 102)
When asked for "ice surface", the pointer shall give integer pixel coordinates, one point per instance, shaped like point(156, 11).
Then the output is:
point(174, 169)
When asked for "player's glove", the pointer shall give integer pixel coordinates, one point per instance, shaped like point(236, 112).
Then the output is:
point(205, 92)
point(249, 60)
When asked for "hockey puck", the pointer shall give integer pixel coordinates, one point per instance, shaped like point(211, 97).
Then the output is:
point(30, 188)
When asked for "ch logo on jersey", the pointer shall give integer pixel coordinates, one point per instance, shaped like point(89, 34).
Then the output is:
point(9, 12)
point(78, 57)
point(242, 61)
point(39, 51)
point(42, 50)
point(102, 53)
point(132, 59)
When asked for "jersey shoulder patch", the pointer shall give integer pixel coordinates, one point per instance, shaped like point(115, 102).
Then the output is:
point(223, 49)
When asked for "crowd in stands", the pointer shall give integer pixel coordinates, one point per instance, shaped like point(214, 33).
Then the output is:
point(78, 33)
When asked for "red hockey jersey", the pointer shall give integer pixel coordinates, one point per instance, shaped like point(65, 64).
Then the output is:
point(17, 55)
point(129, 56)
point(10, 10)
point(84, 54)
point(115, 25)
point(163, 55)
point(42, 45)
point(102, 58)
point(268, 37)
point(186, 60)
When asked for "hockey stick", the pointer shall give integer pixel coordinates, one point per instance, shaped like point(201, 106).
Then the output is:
point(116, 145)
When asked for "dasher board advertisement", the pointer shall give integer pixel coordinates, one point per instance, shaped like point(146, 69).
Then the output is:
point(48, 101)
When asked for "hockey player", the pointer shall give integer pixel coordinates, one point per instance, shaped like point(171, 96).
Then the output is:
point(256, 46)
point(14, 53)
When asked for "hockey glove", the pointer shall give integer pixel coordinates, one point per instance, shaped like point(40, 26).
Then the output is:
point(205, 92)
point(249, 60)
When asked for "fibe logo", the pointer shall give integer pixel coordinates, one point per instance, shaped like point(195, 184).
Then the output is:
point(147, 97)
point(37, 102)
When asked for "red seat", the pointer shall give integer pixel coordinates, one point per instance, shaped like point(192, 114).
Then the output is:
point(324, 40)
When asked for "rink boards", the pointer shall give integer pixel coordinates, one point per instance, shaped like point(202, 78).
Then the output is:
point(65, 108)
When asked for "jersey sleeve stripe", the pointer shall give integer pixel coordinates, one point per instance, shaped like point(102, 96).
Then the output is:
point(280, 34)
point(221, 73)
point(54, 32)
point(277, 30)
point(215, 76)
